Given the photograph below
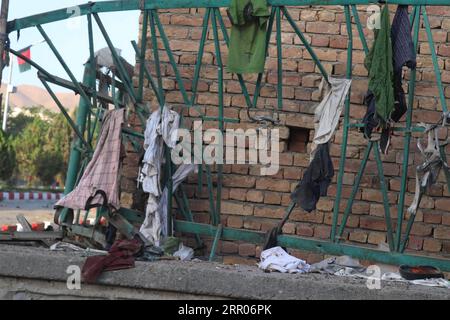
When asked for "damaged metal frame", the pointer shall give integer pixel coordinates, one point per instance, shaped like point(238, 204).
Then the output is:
point(81, 148)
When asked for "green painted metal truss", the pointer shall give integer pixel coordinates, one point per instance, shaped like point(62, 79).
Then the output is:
point(92, 101)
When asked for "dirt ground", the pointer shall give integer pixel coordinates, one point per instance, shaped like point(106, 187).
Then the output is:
point(34, 211)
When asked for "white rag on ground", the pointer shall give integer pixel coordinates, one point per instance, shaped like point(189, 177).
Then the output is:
point(276, 259)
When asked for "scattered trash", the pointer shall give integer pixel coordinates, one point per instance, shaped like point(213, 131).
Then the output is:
point(343, 265)
point(184, 253)
point(64, 246)
point(276, 259)
point(420, 272)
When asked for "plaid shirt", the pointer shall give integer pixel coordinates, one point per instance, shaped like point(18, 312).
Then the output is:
point(102, 172)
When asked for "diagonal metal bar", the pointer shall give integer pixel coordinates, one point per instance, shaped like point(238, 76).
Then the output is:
point(360, 29)
point(306, 43)
point(383, 187)
point(260, 75)
point(141, 55)
point(156, 58)
point(355, 189)
point(64, 65)
point(148, 74)
point(407, 139)
point(345, 125)
point(123, 73)
point(201, 50)
point(221, 106)
point(171, 58)
point(279, 61)
point(66, 115)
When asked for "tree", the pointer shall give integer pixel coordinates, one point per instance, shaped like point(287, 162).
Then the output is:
point(48, 165)
point(7, 158)
point(43, 147)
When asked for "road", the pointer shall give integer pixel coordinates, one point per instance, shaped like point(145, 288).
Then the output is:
point(34, 211)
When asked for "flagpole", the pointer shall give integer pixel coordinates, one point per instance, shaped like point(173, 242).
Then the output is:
point(9, 89)
point(3, 34)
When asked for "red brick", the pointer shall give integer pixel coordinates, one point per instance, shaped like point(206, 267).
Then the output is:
point(289, 228)
point(432, 245)
point(235, 208)
point(272, 184)
point(238, 194)
point(272, 198)
point(358, 236)
point(255, 196)
point(442, 232)
point(322, 232)
point(235, 222)
point(372, 223)
point(247, 249)
point(229, 247)
point(267, 211)
point(376, 238)
point(305, 230)
point(415, 243)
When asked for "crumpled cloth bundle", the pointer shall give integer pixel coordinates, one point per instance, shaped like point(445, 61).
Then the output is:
point(121, 256)
point(276, 259)
point(427, 173)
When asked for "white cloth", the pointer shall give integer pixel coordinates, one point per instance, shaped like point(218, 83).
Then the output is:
point(329, 110)
point(276, 259)
point(178, 177)
point(184, 253)
point(159, 130)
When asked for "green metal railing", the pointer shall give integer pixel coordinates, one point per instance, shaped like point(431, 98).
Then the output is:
point(89, 112)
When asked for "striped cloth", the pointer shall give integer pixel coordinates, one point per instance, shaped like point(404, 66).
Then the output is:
point(102, 172)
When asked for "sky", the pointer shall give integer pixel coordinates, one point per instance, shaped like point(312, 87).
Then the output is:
point(70, 37)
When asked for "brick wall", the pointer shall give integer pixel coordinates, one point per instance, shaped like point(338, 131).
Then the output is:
point(251, 201)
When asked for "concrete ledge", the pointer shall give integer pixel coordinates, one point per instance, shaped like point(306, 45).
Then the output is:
point(44, 269)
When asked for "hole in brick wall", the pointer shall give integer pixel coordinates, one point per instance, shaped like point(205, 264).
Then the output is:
point(298, 139)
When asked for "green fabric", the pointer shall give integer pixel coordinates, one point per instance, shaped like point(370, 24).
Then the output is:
point(381, 71)
point(171, 245)
point(248, 39)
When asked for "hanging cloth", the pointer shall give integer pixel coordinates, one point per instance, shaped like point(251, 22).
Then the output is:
point(248, 36)
point(404, 54)
point(316, 179)
point(99, 185)
point(427, 173)
point(329, 110)
point(381, 73)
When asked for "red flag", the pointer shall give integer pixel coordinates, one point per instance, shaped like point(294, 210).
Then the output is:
point(23, 65)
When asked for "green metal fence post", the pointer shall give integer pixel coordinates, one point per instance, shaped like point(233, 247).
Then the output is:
point(141, 56)
point(407, 139)
point(221, 105)
point(384, 187)
point(355, 189)
point(345, 125)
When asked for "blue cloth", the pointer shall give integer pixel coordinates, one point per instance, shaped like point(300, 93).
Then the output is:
point(403, 55)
